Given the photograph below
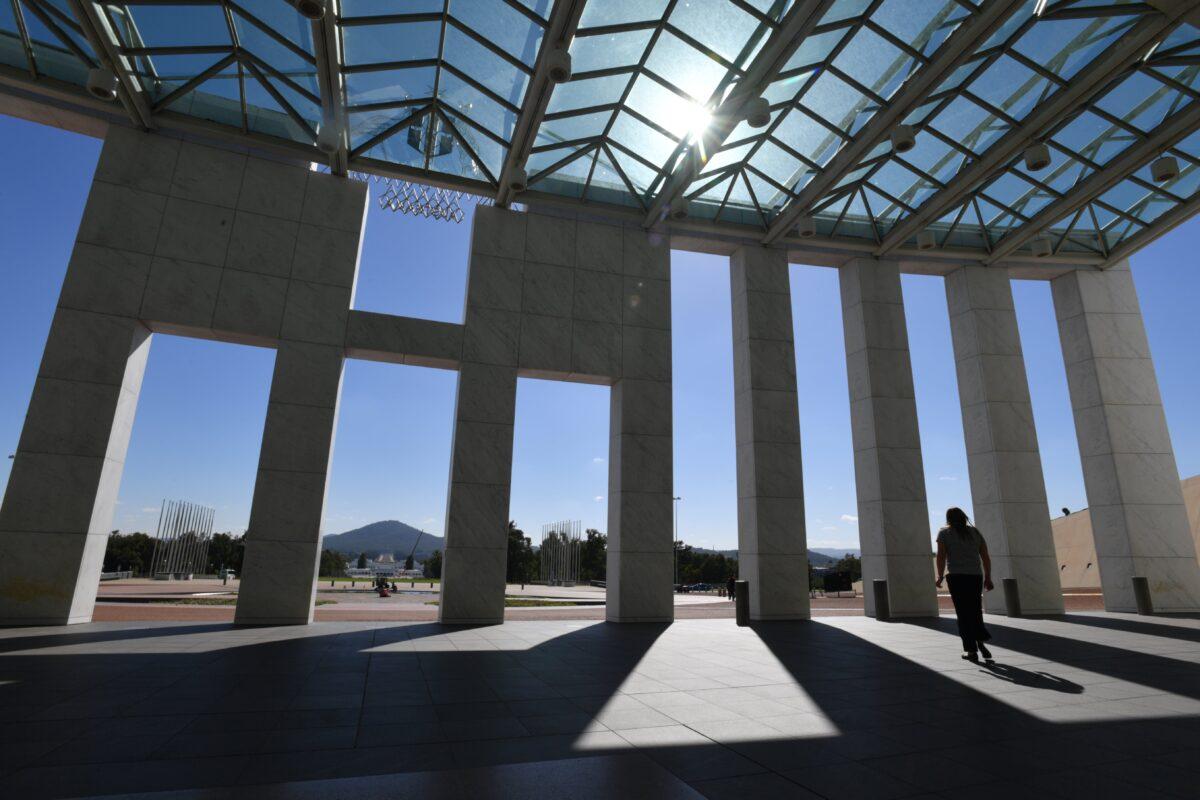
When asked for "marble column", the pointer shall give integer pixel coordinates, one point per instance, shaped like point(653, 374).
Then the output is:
point(475, 560)
point(1008, 491)
point(772, 549)
point(893, 514)
point(1139, 520)
point(640, 571)
point(62, 492)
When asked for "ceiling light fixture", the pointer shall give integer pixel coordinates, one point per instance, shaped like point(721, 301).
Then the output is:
point(758, 113)
point(1037, 157)
point(806, 227)
point(558, 65)
point(903, 138)
point(926, 240)
point(1164, 169)
point(102, 84)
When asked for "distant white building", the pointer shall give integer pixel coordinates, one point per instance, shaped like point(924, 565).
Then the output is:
point(384, 566)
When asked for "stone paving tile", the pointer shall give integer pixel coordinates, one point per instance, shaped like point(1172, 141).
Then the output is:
point(751, 787)
point(888, 708)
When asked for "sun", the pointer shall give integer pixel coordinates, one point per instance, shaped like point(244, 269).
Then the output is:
point(698, 117)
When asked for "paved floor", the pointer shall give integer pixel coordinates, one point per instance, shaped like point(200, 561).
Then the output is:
point(1086, 705)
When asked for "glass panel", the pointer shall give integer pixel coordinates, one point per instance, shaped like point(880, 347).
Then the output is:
point(591, 92)
point(571, 128)
point(501, 25)
point(845, 9)
point(610, 50)
point(932, 155)
point(483, 65)
point(618, 12)
point(873, 61)
point(969, 125)
point(390, 85)
point(662, 106)
point(1065, 46)
point(641, 139)
point(807, 137)
point(718, 24)
point(453, 158)
point(469, 101)
point(163, 26)
point(1093, 138)
point(780, 165)
point(814, 49)
point(684, 67)
point(915, 21)
point(835, 101)
point(1141, 101)
point(1011, 87)
point(902, 183)
point(373, 44)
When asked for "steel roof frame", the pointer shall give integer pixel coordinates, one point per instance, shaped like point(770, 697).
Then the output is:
point(682, 177)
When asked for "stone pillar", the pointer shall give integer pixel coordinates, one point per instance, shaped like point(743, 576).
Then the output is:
point(1007, 488)
point(283, 542)
point(772, 550)
point(640, 572)
point(893, 516)
point(475, 560)
point(62, 491)
point(1139, 520)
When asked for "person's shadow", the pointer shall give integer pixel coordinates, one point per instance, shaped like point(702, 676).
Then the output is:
point(1032, 680)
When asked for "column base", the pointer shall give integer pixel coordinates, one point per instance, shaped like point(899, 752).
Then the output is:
point(780, 617)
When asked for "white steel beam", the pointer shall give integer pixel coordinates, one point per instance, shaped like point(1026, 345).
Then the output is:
point(768, 62)
point(1125, 52)
point(103, 40)
point(958, 48)
point(564, 19)
point(1166, 134)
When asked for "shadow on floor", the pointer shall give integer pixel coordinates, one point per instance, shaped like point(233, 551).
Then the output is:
point(837, 708)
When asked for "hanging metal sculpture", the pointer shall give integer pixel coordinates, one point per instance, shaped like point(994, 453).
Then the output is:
point(181, 543)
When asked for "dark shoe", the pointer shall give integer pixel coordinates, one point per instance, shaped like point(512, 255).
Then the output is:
point(972, 657)
point(983, 651)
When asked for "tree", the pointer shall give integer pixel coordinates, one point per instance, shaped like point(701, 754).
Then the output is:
point(593, 558)
point(225, 551)
point(433, 565)
point(362, 560)
point(851, 565)
point(131, 551)
point(332, 565)
point(520, 555)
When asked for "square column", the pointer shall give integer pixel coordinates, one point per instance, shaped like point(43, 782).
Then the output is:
point(1139, 520)
point(62, 492)
point(283, 541)
point(641, 551)
point(1007, 487)
point(893, 515)
point(772, 548)
point(476, 557)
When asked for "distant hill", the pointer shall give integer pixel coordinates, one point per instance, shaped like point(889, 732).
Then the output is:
point(817, 558)
point(836, 553)
point(392, 536)
point(388, 536)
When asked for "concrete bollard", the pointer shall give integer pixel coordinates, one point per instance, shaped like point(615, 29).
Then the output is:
point(1141, 593)
point(883, 609)
point(742, 602)
point(1012, 597)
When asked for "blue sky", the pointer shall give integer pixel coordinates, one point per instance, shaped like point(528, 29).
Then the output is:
point(199, 421)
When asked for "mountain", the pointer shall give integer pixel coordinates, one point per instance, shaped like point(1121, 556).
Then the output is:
point(817, 558)
point(836, 553)
point(388, 536)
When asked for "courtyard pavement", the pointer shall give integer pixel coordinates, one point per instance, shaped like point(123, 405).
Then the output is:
point(1081, 706)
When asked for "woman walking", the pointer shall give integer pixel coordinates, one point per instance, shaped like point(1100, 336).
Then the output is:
point(962, 546)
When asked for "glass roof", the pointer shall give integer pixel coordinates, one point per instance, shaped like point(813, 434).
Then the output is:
point(449, 91)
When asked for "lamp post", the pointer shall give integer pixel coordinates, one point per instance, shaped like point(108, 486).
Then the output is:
point(675, 541)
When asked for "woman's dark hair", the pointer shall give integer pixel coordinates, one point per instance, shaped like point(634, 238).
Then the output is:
point(956, 518)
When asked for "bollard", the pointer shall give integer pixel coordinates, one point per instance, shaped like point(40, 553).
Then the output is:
point(1141, 593)
point(742, 602)
point(1012, 597)
point(883, 610)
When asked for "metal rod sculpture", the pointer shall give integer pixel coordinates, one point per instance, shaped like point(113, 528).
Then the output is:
point(560, 552)
point(182, 540)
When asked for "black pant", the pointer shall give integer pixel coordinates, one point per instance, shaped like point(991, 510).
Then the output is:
point(967, 593)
